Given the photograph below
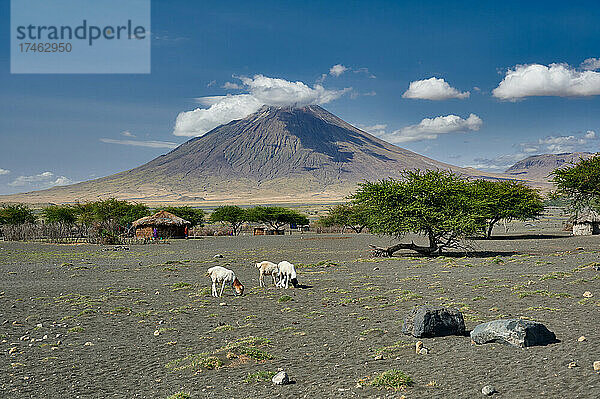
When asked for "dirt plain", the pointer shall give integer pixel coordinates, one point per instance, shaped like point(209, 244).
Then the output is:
point(87, 321)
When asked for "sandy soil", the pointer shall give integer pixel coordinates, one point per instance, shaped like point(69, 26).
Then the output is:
point(107, 307)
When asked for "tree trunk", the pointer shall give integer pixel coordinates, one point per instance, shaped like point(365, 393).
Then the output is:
point(389, 251)
point(490, 227)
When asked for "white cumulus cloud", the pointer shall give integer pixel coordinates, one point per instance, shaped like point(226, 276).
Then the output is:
point(228, 108)
point(590, 64)
point(337, 70)
point(231, 86)
point(428, 128)
point(590, 134)
point(262, 91)
point(127, 133)
point(141, 143)
point(433, 89)
point(553, 80)
point(585, 142)
point(39, 182)
point(4, 171)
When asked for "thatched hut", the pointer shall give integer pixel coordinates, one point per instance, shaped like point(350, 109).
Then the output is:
point(166, 224)
point(586, 223)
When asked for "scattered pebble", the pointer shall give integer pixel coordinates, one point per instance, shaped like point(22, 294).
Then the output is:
point(582, 338)
point(423, 351)
point(156, 333)
point(587, 294)
point(281, 378)
point(223, 304)
point(218, 256)
point(39, 325)
point(88, 344)
point(572, 365)
point(597, 366)
point(12, 350)
point(375, 268)
point(379, 357)
point(488, 390)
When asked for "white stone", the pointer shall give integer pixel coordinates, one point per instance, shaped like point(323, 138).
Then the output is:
point(281, 378)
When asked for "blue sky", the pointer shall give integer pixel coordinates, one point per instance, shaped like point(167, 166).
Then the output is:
point(61, 128)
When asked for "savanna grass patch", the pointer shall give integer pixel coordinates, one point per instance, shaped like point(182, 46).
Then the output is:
point(259, 376)
point(393, 379)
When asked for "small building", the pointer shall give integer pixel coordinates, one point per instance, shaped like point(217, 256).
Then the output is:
point(263, 231)
point(161, 225)
point(586, 223)
point(259, 231)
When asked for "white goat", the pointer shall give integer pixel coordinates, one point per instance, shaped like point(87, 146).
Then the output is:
point(287, 274)
point(224, 276)
point(267, 268)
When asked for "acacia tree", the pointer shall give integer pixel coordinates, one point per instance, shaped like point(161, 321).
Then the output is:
point(16, 214)
point(109, 217)
point(580, 183)
point(437, 204)
point(192, 215)
point(66, 214)
point(506, 200)
point(234, 215)
point(351, 215)
point(276, 216)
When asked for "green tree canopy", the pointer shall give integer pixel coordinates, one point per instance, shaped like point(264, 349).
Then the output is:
point(192, 215)
point(276, 216)
point(234, 215)
point(437, 204)
point(64, 214)
point(16, 214)
point(507, 200)
point(580, 183)
point(351, 215)
point(110, 212)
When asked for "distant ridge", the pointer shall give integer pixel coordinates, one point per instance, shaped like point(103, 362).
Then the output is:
point(278, 154)
point(538, 168)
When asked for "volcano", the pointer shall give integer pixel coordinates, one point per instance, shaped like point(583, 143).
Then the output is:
point(278, 154)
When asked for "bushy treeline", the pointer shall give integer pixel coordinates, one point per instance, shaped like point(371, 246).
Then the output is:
point(440, 205)
point(106, 221)
point(102, 221)
point(273, 216)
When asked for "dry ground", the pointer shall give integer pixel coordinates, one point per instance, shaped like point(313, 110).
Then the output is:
point(141, 323)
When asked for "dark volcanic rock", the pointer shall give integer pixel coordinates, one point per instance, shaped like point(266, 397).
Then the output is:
point(428, 321)
point(515, 332)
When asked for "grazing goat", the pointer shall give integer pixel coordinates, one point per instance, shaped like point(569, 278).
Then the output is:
point(224, 276)
point(267, 268)
point(287, 274)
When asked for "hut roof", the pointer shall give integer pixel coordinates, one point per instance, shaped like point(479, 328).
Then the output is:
point(587, 216)
point(162, 218)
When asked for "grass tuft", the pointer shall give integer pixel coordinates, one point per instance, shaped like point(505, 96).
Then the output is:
point(392, 379)
point(180, 395)
point(259, 376)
